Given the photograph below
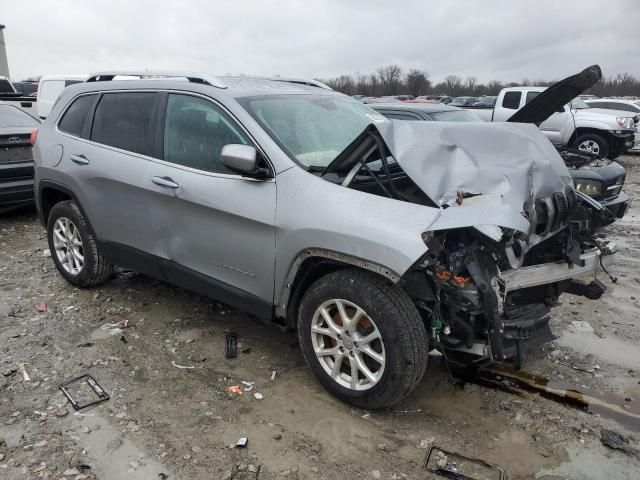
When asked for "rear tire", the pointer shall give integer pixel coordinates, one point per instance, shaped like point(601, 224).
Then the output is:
point(348, 308)
point(73, 247)
point(593, 143)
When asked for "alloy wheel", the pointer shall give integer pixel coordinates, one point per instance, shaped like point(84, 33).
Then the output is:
point(68, 245)
point(348, 344)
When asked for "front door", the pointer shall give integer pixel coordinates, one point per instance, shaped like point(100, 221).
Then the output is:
point(222, 234)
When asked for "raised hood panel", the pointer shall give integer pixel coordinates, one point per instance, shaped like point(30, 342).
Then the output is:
point(544, 105)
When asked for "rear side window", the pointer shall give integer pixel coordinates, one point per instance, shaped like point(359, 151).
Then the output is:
point(511, 100)
point(75, 117)
point(531, 96)
point(125, 120)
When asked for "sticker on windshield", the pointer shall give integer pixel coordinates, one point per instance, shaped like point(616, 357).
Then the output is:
point(376, 117)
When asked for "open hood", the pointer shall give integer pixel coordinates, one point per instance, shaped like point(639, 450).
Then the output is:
point(497, 168)
point(557, 95)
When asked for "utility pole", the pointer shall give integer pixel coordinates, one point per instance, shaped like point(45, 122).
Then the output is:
point(4, 64)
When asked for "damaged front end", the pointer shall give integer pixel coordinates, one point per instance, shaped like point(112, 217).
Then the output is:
point(512, 234)
point(481, 308)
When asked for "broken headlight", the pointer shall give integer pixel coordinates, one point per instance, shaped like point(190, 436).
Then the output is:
point(588, 187)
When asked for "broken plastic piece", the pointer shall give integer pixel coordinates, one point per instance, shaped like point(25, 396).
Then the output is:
point(23, 371)
point(42, 306)
point(84, 380)
point(461, 467)
point(273, 375)
point(248, 386)
point(235, 389)
point(242, 442)
point(258, 396)
point(181, 366)
point(231, 344)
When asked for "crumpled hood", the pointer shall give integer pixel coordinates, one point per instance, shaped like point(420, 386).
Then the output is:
point(505, 166)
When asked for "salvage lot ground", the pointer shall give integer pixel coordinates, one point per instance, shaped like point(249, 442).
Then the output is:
point(164, 420)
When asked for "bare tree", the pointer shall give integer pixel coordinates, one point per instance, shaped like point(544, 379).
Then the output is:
point(454, 86)
point(390, 79)
point(471, 85)
point(417, 82)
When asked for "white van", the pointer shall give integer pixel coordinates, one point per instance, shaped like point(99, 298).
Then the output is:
point(49, 89)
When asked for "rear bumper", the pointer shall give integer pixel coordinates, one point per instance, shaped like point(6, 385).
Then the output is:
point(16, 192)
point(548, 273)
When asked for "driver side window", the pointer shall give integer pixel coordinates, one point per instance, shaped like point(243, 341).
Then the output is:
point(195, 131)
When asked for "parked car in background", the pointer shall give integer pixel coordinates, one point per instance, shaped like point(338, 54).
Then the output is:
point(486, 101)
point(177, 177)
point(619, 104)
point(598, 177)
point(572, 123)
point(50, 88)
point(425, 111)
point(381, 100)
point(9, 95)
point(463, 101)
point(16, 158)
point(27, 89)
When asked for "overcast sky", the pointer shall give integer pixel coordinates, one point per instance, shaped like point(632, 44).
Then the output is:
point(489, 39)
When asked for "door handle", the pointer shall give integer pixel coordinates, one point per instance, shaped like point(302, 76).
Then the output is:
point(165, 182)
point(79, 159)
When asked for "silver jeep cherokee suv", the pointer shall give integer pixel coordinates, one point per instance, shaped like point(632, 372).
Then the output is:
point(377, 241)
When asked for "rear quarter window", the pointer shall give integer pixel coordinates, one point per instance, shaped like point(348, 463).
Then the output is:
point(75, 118)
point(511, 100)
point(125, 121)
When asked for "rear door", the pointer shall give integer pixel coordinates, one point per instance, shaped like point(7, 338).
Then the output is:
point(109, 159)
point(222, 234)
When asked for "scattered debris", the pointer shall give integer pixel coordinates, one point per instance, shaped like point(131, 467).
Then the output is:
point(76, 384)
point(248, 386)
point(88, 344)
point(246, 350)
point(235, 389)
point(123, 339)
point(231, 344)
point(46, 252)
point(115, 328)
point(273, 375)
point(42, 307)
point(66, 309)
point(616, 441)
point(277, 436)
point(242, 442)
point(258, 396)
point(457, 466)
point(23, 371)
point(181, 366)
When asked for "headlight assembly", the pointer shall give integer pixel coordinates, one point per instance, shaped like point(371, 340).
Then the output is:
point(625, 122)
point(588, 187)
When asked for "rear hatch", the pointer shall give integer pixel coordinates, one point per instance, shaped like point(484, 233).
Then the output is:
point(16, 154)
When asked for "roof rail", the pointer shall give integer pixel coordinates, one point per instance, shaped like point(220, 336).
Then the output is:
point(189, 76)
point(299, 81)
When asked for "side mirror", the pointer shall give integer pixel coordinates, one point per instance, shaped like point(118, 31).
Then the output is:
point(242, 159)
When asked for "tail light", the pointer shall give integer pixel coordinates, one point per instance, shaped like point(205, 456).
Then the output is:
point(34, 135)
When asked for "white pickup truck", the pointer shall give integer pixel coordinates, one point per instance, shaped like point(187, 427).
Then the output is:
point(574, 124)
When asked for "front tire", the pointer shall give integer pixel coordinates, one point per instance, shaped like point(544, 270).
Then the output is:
point(73, 247)
point(363, 338)
point(593, 143)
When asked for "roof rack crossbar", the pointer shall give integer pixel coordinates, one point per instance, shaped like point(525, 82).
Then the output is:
point(191, 77)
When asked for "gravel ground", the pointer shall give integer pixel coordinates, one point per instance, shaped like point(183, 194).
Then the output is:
point(163, 421)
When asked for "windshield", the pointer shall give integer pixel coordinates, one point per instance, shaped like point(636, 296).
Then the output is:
point(11, 116)
point(455, 116)
point(312, 129)
point(578, 104)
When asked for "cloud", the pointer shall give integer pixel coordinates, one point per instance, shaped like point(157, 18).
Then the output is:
point(502, 40)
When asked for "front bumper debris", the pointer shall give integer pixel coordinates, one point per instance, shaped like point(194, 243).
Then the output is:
point(546, 273)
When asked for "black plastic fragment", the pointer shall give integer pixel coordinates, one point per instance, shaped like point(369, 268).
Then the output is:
point(231, 344)
point(102, 395)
